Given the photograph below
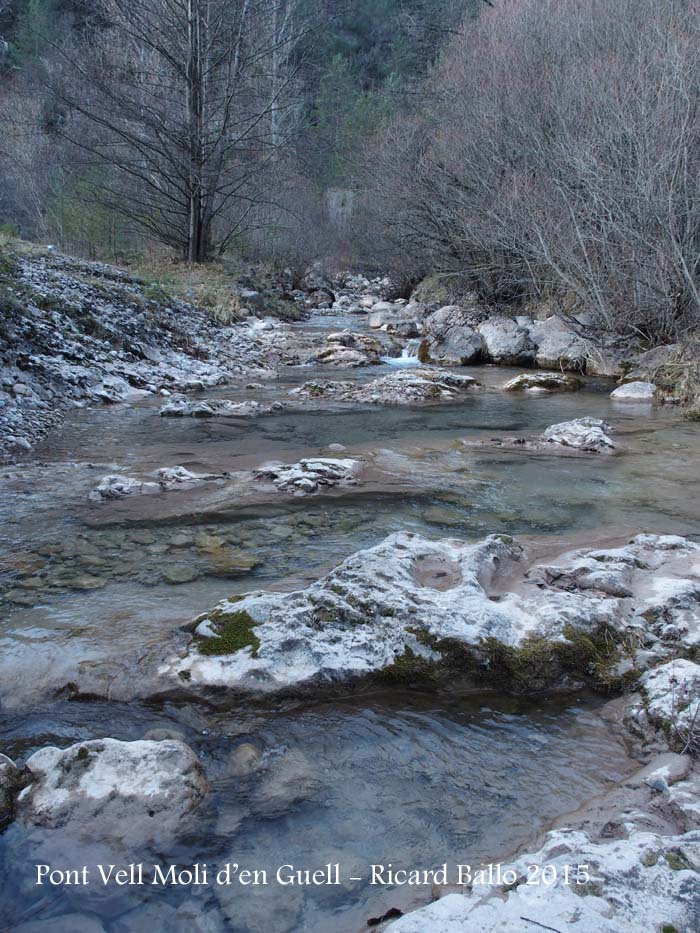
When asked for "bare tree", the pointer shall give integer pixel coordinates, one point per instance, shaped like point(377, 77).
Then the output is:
point(173, 110)
point(557, 155)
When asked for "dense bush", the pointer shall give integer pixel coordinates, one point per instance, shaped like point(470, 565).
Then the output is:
point(557, 155)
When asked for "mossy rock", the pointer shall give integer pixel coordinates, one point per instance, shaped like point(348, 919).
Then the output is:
point(407, 668)
point(537, 664)
point(235, 631)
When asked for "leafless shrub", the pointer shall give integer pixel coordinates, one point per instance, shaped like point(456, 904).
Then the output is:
point(557, 155)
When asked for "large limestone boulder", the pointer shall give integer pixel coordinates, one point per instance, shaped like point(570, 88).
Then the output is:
point(450, 339)
point(412, 607)
point(558, 346)
point(507, 341)
point(135, 792)
point(635, 392)
point(397, 317)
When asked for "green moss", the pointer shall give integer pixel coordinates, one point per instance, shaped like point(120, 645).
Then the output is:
point(154, 291)
point(235, 632)
point(677, 861)
point(537, 664)
point(8, 266)
point(406, 668)
point(650, 859)
point(669, 928)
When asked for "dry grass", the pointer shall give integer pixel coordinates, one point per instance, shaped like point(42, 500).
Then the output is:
point(681, 376)
point(210, 286)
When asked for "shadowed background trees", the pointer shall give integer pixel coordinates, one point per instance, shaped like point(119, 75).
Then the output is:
point(556, 155)
point(531, 150)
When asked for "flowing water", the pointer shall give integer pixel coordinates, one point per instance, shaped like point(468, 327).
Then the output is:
point(410, 778)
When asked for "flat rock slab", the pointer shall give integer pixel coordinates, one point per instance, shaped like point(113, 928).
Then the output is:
point(405, 387)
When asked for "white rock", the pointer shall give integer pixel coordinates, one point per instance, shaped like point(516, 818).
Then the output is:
point(310, 475)
point(550, 381)
point(635, 392)
point(590, 434)
point(672, 694)
point(179, 406)
point(118, 487)
point(404, 387)
point(105, 788)
point(367, 613)
point(632, 886)
point(507, 341)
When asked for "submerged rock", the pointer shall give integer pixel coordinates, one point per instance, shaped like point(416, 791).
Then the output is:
point(409, 608)
point(310, 475)
point(179, 406)
point(635, 392)
point(168, 478)
point(405, 387)
point(544, 382)
point(107, 789)
point(590, 434)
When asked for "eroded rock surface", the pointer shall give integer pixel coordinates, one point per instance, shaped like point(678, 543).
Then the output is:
point(410, 607)
point(641, 882)
point(117, 486)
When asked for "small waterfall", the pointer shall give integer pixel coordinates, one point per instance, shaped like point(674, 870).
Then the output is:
point(409, 355)
point(410, 351)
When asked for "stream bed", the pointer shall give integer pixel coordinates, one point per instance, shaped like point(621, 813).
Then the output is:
point(406, 777)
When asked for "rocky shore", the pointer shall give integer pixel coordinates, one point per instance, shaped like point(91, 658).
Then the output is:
point(78, 333)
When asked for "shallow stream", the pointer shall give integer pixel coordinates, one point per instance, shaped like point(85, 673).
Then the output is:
point(408, 778)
